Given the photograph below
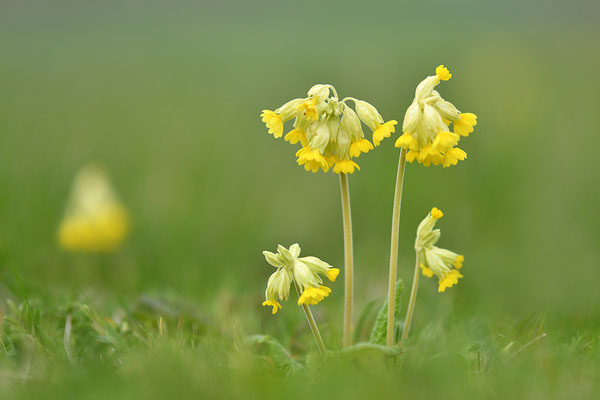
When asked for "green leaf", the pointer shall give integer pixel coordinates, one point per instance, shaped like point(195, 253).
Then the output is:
point(362, 320)
point(365, 355)
point(273, 352)
point(379, 331)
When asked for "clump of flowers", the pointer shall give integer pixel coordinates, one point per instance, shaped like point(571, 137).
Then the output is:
point(331, 136)
point(426, 132)
point(329, 130)
point(444, 264)
point(304, 272)
point(94, 219)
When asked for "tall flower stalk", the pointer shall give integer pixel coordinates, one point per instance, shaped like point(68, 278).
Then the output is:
point(348, 261)
point(412, 301)
point(428, 139)
point(394, 249)
point(313, 325)
point(331, 136)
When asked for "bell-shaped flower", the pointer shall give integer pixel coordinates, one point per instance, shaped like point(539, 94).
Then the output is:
point(433, 260)
point(304, 272)
point(426, 126)
point(328, 129)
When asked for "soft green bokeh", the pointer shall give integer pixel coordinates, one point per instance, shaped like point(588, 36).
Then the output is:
point(168, 95)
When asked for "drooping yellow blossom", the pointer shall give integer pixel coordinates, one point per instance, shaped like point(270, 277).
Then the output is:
point(383, 131)
point(345, 167)
point(305, 272)
point(94, 219)
point(295, 136)
point(273, 122)
point(313, 295)
point(443, 263)
point(328, 129)
point(426, 131)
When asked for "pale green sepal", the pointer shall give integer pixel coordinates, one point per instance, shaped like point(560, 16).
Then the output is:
point(274, 259)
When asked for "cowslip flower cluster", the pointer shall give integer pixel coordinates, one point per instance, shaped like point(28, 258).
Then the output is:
point(329, 130)
point(305, 272)
point(426, 132)
point(443, 263)
point(94, 220)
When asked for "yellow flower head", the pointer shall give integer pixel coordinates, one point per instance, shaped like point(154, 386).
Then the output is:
point(94, 219)
point(426, 126)
point(328, 129)
point(434, 260)
point(306, 272)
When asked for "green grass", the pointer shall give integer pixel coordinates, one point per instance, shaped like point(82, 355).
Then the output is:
point(168, 99)
point(154, 347)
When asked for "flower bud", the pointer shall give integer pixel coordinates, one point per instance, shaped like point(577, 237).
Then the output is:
point(433, 98)
point(295, 250)
point(290, 109)
point(286, 255)
point(321, 137)
point(304, 276)
point(320, 91)
point(316, 265)
point(432, 122)
point(425, 88)
point(343, 144)
point(351, 123)
point(368, 114)
point(274, 259)
point(278, 285)
point(333, 124)
point(411, 118)
point(447, 110)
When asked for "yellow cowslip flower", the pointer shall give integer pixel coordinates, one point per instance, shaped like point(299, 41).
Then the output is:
point(94, 220)
point(426, 132)
point(329, 131)
point(434, 260)
point(305, 272)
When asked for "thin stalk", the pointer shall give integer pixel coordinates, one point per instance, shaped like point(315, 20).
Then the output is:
point(394, 249)
point(412, 301)
point(313, 325)
point(348, 261)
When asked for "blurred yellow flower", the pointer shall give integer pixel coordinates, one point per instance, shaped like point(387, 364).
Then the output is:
point(434, 260)
point(426, 132)
point(329, 131)
point(303, 272)
point(94, 220)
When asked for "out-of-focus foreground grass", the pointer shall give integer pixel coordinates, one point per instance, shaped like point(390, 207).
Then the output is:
point(167, 97)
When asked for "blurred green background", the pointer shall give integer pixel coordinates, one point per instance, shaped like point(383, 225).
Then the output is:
point(167, 96)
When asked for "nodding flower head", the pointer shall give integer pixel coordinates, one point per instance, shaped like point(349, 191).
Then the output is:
point(305, 272)
point(328, 129)
point(426, 126)
point(442, 263)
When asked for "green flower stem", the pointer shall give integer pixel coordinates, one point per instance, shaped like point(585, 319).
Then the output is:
point(348, 261)
point(394, 249)
point(412, 301)
point(313, 325)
